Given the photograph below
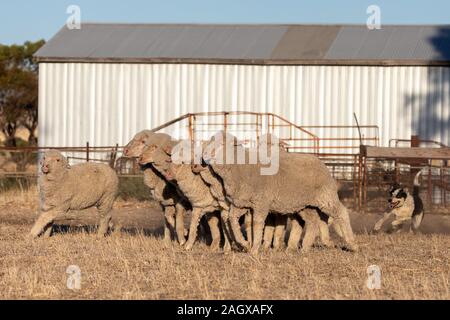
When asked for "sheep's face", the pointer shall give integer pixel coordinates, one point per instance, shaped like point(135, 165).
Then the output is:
point(163, 163)
point(53, 161)
point(147, 155)
point(137, 145)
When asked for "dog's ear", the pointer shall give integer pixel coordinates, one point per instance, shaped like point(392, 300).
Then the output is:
point(402, 193)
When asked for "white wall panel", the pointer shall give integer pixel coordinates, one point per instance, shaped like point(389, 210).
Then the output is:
point(107, 104)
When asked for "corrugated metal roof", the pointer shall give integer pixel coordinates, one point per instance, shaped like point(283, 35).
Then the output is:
point(251, 44)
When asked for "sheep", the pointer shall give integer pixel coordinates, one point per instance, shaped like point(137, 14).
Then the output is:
point(173, 205)
point(274, 230)
point(215, 185)
point(312, 186)
point(63, 187)
point(193, 188)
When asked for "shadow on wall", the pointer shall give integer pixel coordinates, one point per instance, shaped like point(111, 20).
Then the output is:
point(433, 119)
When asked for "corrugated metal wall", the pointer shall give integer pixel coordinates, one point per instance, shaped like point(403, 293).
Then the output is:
point(108, 103)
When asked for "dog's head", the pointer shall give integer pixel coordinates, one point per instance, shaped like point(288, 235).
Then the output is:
point(397, 196)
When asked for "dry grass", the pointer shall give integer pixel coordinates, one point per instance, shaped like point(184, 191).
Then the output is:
point(131, 265)
point(140, 267)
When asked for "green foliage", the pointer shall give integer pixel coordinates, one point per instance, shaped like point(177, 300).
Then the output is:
point(133, 188)
point(18, 89)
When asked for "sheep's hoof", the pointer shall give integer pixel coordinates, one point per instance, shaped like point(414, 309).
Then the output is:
point(188, 247)
point(351, 247)
point(214, 247)
point(31, 237)
point(329, 245)
point(291, 249)
point(279, 248)
point(34, 233)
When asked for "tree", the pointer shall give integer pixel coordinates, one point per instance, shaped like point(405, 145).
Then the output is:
point(18, 90)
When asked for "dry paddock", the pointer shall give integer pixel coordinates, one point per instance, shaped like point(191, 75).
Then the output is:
point(133, 262)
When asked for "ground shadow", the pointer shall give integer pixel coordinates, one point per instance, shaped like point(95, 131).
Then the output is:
point(91, 229)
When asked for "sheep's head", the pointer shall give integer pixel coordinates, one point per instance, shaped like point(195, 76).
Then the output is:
point(143, 139)
point(146, 156)
point(216, 149)
point(136, 146)
point(53, 162)
point(162, 161)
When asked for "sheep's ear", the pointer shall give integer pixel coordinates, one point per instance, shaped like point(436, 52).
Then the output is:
point(68, 166)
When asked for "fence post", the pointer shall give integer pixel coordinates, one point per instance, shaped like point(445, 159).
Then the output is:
point(87, 151)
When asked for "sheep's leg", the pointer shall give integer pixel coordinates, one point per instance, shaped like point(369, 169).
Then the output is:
point(269, 230)
point(104, 210)
point(48, 231)
point(197, 214)
point(44, 220)
point(296, 233)
point(235, 214)
point(259, 218)
point(325, 234)
point(226, 231)
point(179, 223)
point(169, 227)
point(213, 222)
point(335, 227)
point(380, 222)
point(280, 231)
point(342, 219)
point(248, 226)
point(311, 229)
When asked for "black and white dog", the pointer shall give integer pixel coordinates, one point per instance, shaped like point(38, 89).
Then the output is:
point(404, 206)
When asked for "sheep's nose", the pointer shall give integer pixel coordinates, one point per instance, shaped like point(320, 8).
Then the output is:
point(389, 200)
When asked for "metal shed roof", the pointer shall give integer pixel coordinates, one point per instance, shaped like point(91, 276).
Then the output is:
point(250, 44)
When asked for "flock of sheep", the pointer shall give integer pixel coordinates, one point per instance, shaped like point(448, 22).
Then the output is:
point(302, 191)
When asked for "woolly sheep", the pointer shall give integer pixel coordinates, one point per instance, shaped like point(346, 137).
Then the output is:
point(192, 187)
point(173, 205)
point(63, 187)
point(213, 181)
point(290, 190)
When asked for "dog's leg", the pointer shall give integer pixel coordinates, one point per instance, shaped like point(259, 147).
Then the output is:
point(380, 222)
point(416, 221)
point(397, 224)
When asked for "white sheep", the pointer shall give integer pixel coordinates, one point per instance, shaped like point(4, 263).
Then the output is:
point(63, 187)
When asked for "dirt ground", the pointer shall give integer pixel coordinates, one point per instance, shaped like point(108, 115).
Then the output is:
point(133, 263)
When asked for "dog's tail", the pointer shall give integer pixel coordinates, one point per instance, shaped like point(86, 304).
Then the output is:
point(417, 183)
